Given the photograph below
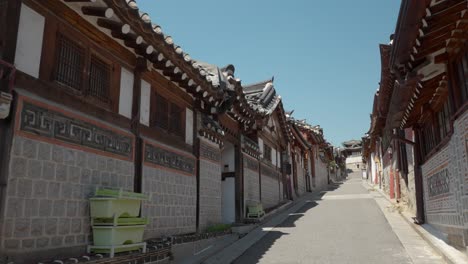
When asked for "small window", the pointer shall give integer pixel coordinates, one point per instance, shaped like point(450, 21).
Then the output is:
point(69, 63)
point(73, 61)
point(99, 79)
point(168, 116)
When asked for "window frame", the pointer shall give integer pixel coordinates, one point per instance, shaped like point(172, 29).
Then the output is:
point(170, 103)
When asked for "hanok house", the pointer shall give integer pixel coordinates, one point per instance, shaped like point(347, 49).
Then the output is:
point(102, 98)
point(428, 110)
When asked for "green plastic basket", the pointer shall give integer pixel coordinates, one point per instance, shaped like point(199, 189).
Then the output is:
point(119, 221)
point(107, 207)
point(117, 235)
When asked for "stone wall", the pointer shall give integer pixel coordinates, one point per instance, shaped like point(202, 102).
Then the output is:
point(251, 180)
point(321, 175)
point(210, 185)
point(169, 179)
point(445, 181)
point(47, 193)
point(270, 187)
point(301, 182)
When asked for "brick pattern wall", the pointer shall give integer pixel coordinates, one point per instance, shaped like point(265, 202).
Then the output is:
point(321, 174)
point(271, 195)
point(301, 180)
point(251, 184)
point(47, 194)
point(210, 193)
point(445, 181)
point(172, 206)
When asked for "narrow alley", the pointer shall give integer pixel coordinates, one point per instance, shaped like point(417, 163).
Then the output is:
point(343, 225)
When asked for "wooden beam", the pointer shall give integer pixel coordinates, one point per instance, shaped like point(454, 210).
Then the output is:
point(114, 26)
point(97, 11)
point(80, 1)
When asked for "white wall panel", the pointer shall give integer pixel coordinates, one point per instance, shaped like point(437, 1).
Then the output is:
point(126, 93)
point(145, 103)
point(29, 42)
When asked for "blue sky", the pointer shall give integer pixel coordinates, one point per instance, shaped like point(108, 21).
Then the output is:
point(324, 54)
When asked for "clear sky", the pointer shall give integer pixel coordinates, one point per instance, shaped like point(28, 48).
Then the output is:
point(324, 54)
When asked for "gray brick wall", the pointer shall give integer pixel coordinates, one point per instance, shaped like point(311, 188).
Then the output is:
point(321, 176)
point(47, 194)
point(251, 187)
point(210, 193)
point(270, 192)
point(172, 206)
point(449, 212)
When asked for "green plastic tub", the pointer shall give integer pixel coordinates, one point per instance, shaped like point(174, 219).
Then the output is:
point(115, 203)
point(117, 235)
point(119, 221)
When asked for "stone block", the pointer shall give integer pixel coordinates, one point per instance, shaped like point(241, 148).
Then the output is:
point(15, 207)
point(12, 243)
point(64, 226)
point(34, 170)
point(61, 172)
point(24, 188)
point(77, 192)
point(69, 240)
point(30, 149)
point(57, 241)
point(81, 159)
point(42, 242)
point(101, 163)
point(57, 154)
point(45, 207)
point(85, 176)
point(22, 227)
point(28, 243)
point(91, 161)
point(59, 208)
point(53, 190)
point(105, 178)
point(80, 239)
point(74, 174)
point(110, 165)
point(37, 227)
point(51, 226)
point(40, 189)
point(76, 225)
point(67, 191)
point(48, 170)
point(18, 167)
point(114, 180)
point(69, 157)
point(96, 177)
point(45, 151)
point(71, 208)
point(17, 147)
point(31, 207)
point(11, 186)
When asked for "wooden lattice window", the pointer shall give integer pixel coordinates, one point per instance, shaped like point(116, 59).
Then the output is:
point(162, 112)
point(462, 78)
point(99, 79)
point(175, 119)
point(72, 61)
point(69, 63)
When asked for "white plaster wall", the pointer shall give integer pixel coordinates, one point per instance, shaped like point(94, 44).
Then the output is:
point(126, 93)
point(188, 126)
point(228, 157)
point(145, 103)
point(29, 42)
point(260, 144)
point(273, 157)
point(228, 201)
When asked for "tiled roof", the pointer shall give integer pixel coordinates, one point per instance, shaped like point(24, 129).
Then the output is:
point(262, 96)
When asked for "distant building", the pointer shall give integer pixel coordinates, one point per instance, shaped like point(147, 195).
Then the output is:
point(352, 151)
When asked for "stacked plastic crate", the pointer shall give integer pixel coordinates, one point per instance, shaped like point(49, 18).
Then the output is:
point(116, 222)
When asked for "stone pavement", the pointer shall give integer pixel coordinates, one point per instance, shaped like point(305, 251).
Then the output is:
point(344, 225)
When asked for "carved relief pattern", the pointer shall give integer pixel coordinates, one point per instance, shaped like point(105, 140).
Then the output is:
point(210, 153)
point(250, 164)
point(439, 183)
point(169, 159)
point(47, 123)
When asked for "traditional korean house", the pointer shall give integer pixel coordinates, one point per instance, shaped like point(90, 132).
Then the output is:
point(427, 114)
point(101, 98)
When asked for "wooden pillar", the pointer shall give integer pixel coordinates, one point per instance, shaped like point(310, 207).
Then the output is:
point(138, 162)
point(418, 180)
point(9, 22)
point(239, 182)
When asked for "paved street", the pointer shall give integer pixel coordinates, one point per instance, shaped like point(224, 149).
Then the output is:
point(345, 225)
